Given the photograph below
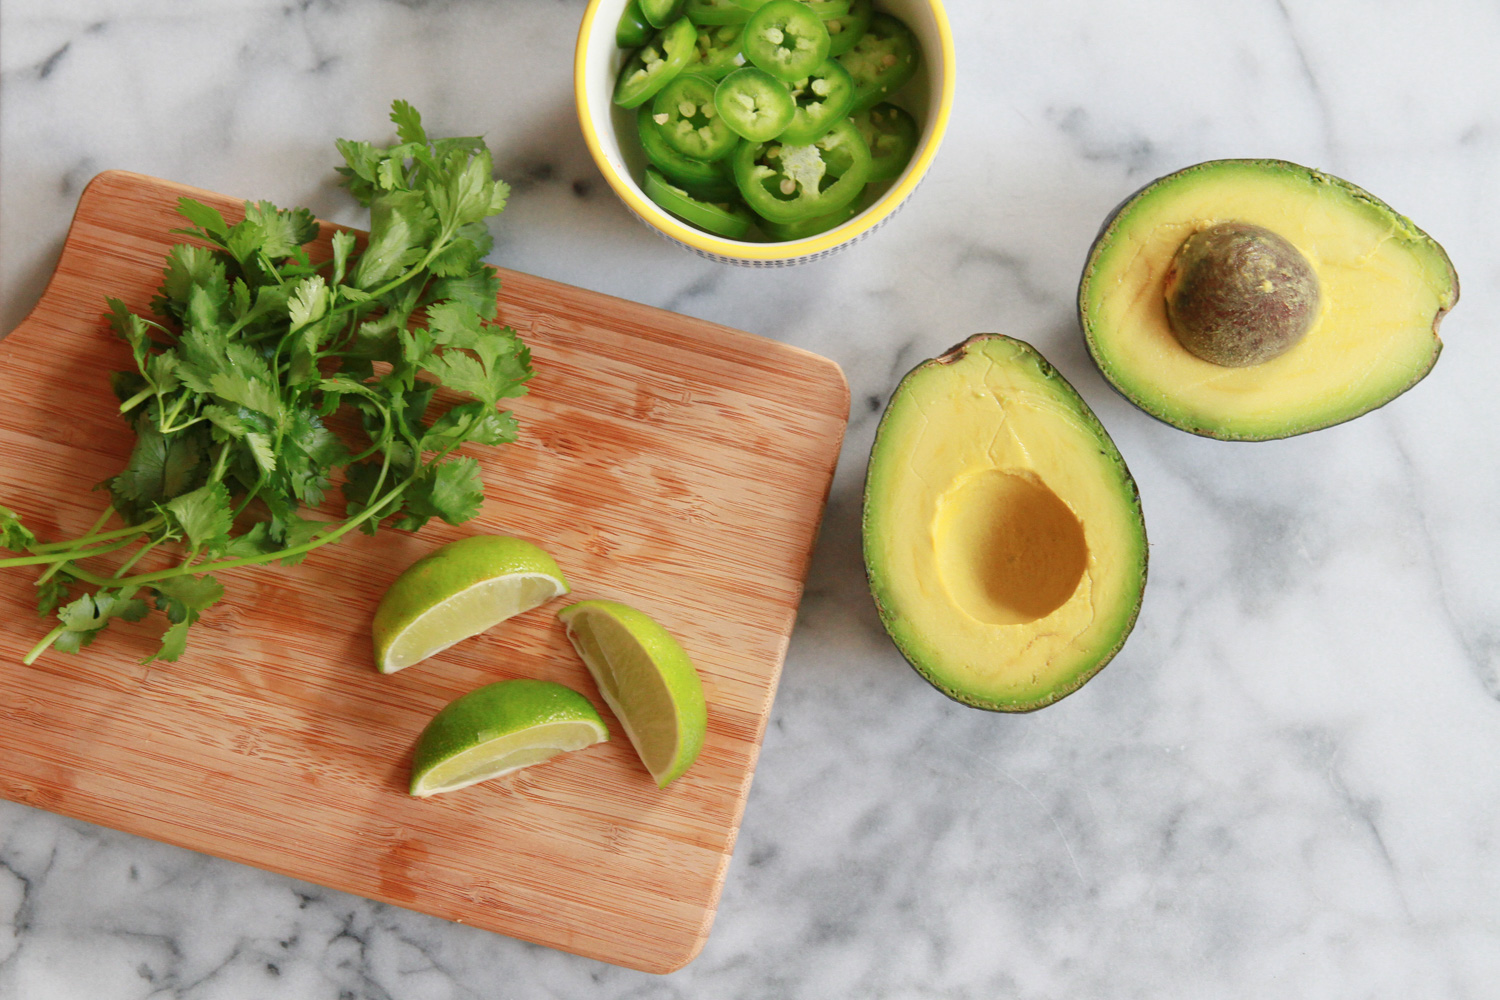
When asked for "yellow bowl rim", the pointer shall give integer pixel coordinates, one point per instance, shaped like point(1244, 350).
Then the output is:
point(717, 245)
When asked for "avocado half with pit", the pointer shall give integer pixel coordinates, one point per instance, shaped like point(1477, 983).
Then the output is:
point(1258, 299)
point(1003, 536)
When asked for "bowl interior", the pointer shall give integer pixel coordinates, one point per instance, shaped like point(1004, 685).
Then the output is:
point(624, 162)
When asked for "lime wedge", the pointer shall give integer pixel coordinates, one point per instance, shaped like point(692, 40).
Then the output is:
point(500, 728)
point(646, 679)
point(457, 591)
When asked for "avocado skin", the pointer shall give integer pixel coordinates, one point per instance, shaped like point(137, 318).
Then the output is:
point(1119, 214)
point(1045, 372)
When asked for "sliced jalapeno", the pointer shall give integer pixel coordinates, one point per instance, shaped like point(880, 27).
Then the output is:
point(784, 184)
point(710, 181)
point(654, 64)
point(727, 220)
point(891, 133)
point(786, 39)
point(755, 104)
point(719, 51)
point(881, 62)
point(823, 99)
point(823, 8)
point(822, 223)
point(684, 115)
point(846, 29)
point(716, 12)
point(661, 12)
point(803, 228)
point(633, 29)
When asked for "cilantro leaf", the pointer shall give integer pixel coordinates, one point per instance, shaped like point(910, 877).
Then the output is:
point(206, 218)
point(204, 516)
point(182, 599)
point(280, 232)
point(451, 490)
point(185, 597)
point(14, 535)
point(160, 468)
point(408, 122)
point(82, 619)
point(53, 592)
point(472, 421)
point(401, 224)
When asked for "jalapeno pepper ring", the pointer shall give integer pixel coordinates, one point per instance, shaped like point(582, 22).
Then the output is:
point(684, 114)
point(654, 64)
point(786, 39)
point(729, 221)
point(755, 104)
point(783, 183)
point(823, 99)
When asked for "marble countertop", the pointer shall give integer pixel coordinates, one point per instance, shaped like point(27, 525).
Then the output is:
point(1285, 784)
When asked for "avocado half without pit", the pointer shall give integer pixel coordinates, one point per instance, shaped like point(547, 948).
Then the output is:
point(1003, 536)
point(1258, 299)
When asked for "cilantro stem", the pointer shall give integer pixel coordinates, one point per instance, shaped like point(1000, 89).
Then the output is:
point(41, 647)
point(438, 246)
point(65, 556)
point(136, 556)
point(296, 550)
point(96, 536)
point(78, 572)
point(137, 399)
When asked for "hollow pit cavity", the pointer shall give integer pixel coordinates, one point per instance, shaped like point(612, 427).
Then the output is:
point(1009, 550)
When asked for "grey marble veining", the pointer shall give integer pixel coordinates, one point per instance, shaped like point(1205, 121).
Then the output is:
point(1285, 785)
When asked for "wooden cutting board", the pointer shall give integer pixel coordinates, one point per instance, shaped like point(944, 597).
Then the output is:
point(668, 462)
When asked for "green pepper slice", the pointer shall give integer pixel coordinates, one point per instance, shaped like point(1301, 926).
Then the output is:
point(684, 115)
point(708, 12)
point(846, 29)
point(726, 220)
point(803, 228)
point(661, 12)
point(710, 181)
point(786, 39)
point(881, 62)
point(654, 64)
point(823, 99)
point(891, 133)
point(633, 29)
point(823, 8)
point(755, 104)
point(821, 223)
point(784, 184)
point(719, 51)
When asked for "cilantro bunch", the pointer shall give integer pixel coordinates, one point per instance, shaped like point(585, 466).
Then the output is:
point(254, 349)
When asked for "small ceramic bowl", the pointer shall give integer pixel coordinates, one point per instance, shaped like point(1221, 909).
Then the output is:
point(597, 61)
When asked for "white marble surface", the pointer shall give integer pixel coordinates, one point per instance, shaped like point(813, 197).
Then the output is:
point(1287, 783)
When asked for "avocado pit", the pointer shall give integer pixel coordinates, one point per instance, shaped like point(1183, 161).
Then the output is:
point(1239, 294)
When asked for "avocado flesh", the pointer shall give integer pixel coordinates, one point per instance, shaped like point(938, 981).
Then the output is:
point(1385, 286)
point(1003, 535)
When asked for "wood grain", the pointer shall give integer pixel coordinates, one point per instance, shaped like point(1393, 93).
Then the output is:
point(668, 462)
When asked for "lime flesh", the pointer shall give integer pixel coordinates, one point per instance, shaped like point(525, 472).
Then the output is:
point(458, 591)
point(500, 728)
point(647, 680)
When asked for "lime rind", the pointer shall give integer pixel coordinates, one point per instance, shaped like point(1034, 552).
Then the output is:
point(458, 591)
point(467, 613)
point(648, 681)
point(505, 755)
point(498, 729)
